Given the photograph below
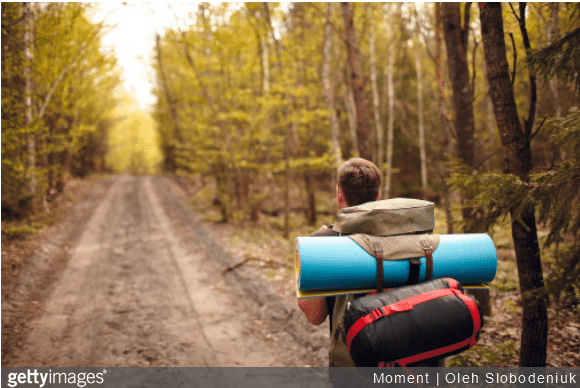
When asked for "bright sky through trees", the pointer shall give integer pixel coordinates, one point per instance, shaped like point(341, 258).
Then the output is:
point(132, 36)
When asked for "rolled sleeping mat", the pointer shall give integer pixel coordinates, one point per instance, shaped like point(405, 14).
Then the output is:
point(339, 263)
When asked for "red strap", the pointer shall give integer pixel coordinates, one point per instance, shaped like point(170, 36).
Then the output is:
point(474, 315)
point(403, 305)
point(434, 353)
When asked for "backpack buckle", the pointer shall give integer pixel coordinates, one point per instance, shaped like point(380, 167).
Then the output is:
point(377, 313)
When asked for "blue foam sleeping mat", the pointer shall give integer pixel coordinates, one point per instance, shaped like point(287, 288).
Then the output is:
point(334, 265)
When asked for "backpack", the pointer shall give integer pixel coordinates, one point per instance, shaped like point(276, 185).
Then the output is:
point(410, 324)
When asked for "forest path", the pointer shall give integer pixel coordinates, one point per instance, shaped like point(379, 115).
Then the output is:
point(141, 285)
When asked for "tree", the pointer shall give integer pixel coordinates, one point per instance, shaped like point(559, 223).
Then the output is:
point(456, 42)
point(376, 103)
point(329, 86)
point(170, 145)
point(14, 161)
point(357, 83)
point(391, 115)
point(445, 136)
point(27, 19)
point(55, 102)
point(420, 80)
point(456, 38)
point(518, 159)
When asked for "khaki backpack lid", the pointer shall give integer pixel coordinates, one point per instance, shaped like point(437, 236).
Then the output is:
point(387, 217)
point(403, 247)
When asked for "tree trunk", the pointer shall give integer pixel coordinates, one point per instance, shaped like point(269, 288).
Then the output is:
point(288, 131)
point(391, 122)
point(265, 65)
point(329, 87)
point(518, 161)
point(357, 83)
point(351, 113)
point(460, 81)
point(310, 198)
point(422, 150)
point(490, 128)
point(376, 104)
point(170, 161)
point(445, 136)
point(456, 42)
point(28, 39)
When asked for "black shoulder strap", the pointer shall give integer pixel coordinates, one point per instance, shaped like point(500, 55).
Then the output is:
point(379, 256)
point(415, 266)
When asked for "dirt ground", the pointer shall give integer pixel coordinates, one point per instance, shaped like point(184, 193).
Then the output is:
point(129, 277)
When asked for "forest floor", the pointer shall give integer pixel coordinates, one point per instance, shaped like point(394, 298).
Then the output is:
point(135, 271)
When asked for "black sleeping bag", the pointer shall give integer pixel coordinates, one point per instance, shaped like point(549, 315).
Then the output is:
point(411, 324)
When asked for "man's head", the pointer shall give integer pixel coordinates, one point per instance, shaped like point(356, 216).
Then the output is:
point(359, 181)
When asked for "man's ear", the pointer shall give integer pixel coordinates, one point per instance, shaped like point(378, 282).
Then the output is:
point(340, 198)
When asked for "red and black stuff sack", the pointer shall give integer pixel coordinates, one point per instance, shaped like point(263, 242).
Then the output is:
point(411, 324)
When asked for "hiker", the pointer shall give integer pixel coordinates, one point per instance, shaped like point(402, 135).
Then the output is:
point(359, 181)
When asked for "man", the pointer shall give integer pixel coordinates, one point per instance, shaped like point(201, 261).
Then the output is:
point(359, 181)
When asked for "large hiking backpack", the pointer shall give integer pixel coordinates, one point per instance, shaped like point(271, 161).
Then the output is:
point(410, 324)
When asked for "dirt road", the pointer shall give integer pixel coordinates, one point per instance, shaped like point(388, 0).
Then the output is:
point(132, 279)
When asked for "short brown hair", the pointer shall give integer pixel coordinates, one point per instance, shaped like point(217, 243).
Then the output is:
point(360, 181)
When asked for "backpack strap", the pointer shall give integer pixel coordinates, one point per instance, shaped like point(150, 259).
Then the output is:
point(380, 275)
point(428, 248)
point(415, 264)
point(414, 268)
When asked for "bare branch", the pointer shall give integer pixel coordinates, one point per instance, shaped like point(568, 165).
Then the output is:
point(514, 12)
point(248, 259)
point(513, 74)
point(538, 129)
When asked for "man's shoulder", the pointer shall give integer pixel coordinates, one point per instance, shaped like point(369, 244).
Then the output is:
point(324, 232)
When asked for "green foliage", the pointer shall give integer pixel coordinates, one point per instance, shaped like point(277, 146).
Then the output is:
point(239, 106)
point(561, 58)
point(506, 277)
point(554, 193)
point(492, 194)
point(19, 231)
point(73, 83)
point(557, 190)
point(133, 140)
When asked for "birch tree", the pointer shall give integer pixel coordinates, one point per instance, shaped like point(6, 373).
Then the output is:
point(391, 120)
point(376, 102)
point(421, 124)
